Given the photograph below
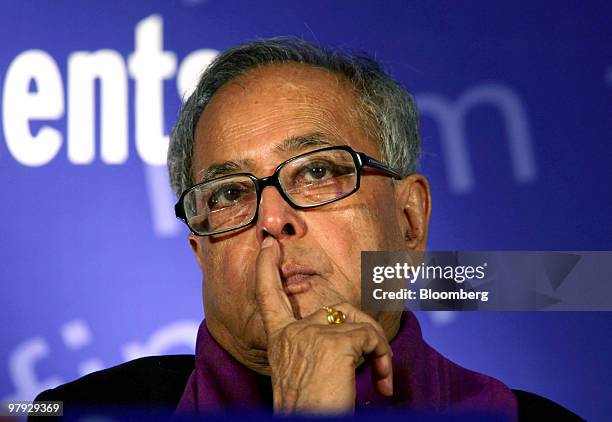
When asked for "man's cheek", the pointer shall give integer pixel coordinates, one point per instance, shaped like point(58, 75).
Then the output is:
point(218, 278)
point(345, 256)
point(239, 283)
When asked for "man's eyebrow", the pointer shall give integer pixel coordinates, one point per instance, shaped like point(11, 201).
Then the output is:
point(296, 143)
point(223, 169)
point(292, 144)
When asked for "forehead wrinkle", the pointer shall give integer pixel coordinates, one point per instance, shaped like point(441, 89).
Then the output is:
point(299, 142)
point(318, 129)
point(306, 106)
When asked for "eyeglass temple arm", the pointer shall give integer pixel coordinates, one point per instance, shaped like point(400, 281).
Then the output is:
point(366, 160)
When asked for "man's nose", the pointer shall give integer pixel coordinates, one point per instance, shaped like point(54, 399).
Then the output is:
point(277, 218)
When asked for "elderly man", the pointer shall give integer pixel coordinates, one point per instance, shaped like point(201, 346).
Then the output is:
point(288, 161)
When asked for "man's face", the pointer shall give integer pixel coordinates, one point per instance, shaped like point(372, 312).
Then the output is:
point(256, 122)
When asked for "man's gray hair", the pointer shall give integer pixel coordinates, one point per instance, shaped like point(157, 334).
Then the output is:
point(388, 111)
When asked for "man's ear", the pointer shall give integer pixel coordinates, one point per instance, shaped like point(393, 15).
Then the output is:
point(196, 247)
point(414, 198)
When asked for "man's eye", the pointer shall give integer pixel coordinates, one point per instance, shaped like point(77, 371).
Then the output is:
point(321, 171)
point(317, 171)
point(225, 196)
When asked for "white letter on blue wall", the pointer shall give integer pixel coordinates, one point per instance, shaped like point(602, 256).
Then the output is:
point(149, 65)
point(84, 68)
point(20, 106)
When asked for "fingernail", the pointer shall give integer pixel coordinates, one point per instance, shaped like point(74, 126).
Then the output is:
point(267, 242)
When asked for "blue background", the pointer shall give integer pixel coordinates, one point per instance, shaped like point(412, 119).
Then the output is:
point(88, 279)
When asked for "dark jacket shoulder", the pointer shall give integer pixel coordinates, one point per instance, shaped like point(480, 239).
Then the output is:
point(532, 407)
point(155, 382)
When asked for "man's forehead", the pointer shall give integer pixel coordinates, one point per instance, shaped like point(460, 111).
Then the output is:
point(270, 112)
point(274, 84)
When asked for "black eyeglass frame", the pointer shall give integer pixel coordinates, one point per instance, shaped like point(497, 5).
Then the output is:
point(360, 159)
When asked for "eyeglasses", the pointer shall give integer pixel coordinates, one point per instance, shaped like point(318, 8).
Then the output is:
point(308, 180)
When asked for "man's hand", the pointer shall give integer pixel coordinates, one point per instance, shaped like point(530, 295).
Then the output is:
point(313, 363)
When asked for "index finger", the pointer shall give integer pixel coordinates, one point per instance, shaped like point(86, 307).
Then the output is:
point(273, 302)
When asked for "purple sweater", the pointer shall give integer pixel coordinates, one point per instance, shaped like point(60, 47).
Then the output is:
point(423, 380)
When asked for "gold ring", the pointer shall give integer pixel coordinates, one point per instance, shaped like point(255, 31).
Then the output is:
point(334, 316)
